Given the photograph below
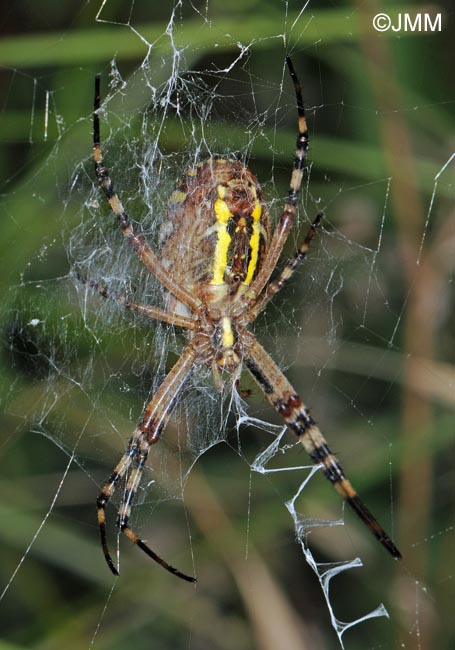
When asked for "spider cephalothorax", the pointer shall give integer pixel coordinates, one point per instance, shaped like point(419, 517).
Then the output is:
point(215, 262)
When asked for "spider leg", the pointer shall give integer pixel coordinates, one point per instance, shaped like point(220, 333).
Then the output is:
point(125, 510)
point(285, 400)
point(109, 489)
point(286, 274)
point(145, 253)
point(147, 433)
point(142, 308)
point(286, 220)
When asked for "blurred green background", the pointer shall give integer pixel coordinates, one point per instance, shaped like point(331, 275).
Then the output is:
point(367, 335)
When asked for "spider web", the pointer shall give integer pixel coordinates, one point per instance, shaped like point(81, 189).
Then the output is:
point(83, 369)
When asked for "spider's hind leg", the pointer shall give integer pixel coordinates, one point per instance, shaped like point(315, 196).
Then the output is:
point(143, 250)
point(286, 274)
point(281, 233)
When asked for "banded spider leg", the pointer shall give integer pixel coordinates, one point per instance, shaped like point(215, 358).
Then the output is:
point(283, 397)
point(146, 434)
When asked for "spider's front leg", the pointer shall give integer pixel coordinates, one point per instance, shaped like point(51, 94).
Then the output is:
point(285, 400)
point(146, 434)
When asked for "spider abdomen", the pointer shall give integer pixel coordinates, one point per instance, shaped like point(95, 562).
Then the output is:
point(217, 229)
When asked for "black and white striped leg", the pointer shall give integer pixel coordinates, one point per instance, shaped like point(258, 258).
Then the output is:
point(146, 434)
point(109, 489)
point(123, 518)
point(143, 250)
point(291, 267)
point(139, 307)
point(286, 220)
point(288, 404)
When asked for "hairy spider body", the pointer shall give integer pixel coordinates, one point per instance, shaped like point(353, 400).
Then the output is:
point(217, 230)
point(214, 239)
point(215, 263)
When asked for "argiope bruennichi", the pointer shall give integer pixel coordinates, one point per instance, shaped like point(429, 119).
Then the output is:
point(215, 262)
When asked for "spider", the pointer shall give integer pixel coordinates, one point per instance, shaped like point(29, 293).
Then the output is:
point(216, 259)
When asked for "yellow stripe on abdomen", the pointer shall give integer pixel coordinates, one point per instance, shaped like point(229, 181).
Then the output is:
point(254, 242)
point(220, 256)
point(222, 215)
